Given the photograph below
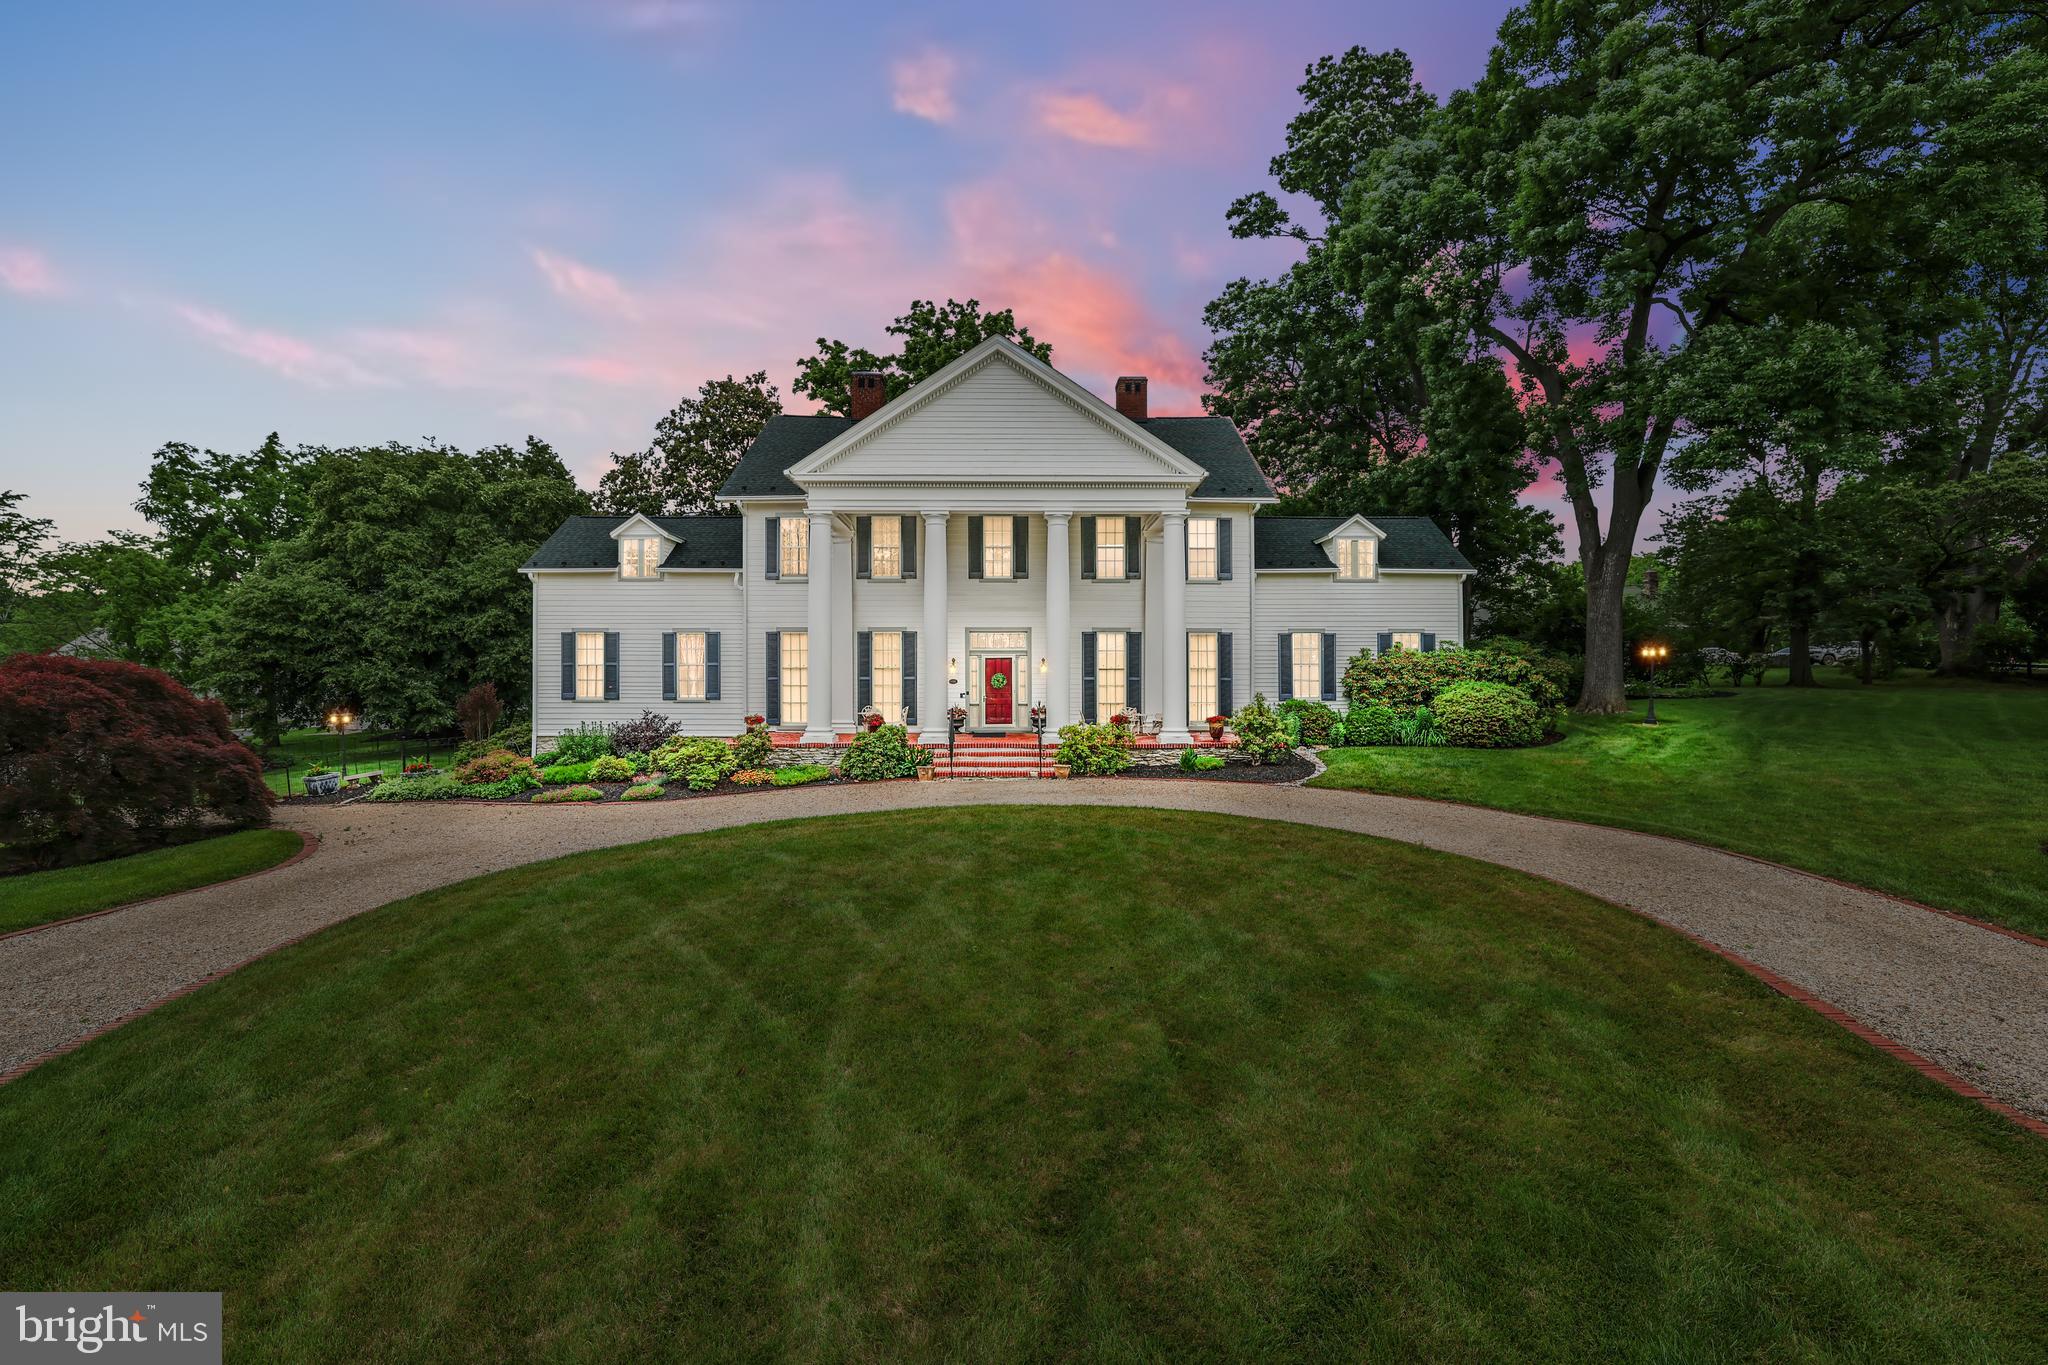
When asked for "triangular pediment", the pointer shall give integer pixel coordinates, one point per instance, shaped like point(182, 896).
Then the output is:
point(1355, 525)
point(996, 414)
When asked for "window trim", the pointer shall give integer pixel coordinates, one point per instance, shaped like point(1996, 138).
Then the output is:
point(1214, 547)
point(895, 528)
point(1373, 554)
point(581, 637)
point(1294, 639)
point(703, 665)
point(782, 548)
point(1103, 710)
point(1123, 568)
point(1395, 641)
point(650, 548)
point(784, 673)
point(1009, 525)
point(1198, 716)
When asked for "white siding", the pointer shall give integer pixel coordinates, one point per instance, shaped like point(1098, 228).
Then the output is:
point(771, 604)
point(1357, 612)
point(641, 613)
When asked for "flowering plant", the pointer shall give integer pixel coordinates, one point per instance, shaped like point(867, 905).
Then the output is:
point(752, 721)
point(1119, 719)
point(1219, 720)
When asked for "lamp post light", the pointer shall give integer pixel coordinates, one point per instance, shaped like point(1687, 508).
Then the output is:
point(1652, 654)
point(339, 720)
point(1038, 729)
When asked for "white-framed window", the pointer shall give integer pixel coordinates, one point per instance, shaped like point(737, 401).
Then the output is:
point(1203, 674)
point(1201, 549)
point(639, 556)
point(1357, 558)
point(590, 665)
point(796, 677)
point(998, 550)
point(690, 665)
point(1112, 673)
point(885, 674)
point(1109, 547)
point(885, 547)
point(1408, 639)
point(795, 535)
point(1308, 663)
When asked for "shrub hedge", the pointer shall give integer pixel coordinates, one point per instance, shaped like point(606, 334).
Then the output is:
point(701, 763)
point(1406, 679)
point(1314, 722)
point(1094, 750)
point(880, 754)
point(1261, 733)
point(1487, 715)
point(555, 795)
point(611, 768)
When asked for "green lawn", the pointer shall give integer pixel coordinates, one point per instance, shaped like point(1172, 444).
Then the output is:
point(39, 897)
point(380, 750)
point(1929, 790)
point(1007, 1084)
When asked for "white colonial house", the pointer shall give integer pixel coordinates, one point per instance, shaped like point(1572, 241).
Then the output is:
point(996, 537)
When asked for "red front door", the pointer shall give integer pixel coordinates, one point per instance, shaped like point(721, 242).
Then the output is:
point(995, 691)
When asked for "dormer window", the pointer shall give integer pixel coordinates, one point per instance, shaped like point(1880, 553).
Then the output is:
point(1357, 558)
point(639, 556)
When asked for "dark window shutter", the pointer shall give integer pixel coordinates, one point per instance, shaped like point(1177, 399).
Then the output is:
point(1329, 665)
point(611, 665)
point(1286, 688)
point(1134, 548)
point(668, 665)
point(1386, 643)
point(1223, 557)
point(1134, 671)
point(1087, 677)
point(1087, 547)
point(974, 547)
point(774, 525)
point(864, 670)
point(1020, 547)
point(1428, 642)
point(771, 676)
point(568, 665)
point(1224, 669)
point(910, 677)
point(711, 665)
point(909, 539)
point(863, 546)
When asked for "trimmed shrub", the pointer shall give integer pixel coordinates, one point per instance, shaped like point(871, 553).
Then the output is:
point(1375, 724)
point(430, 787)
point(1195, 761)
point(1405, 679)
point(611, 768)
point(701, 763)
point(502, 766)
point(556, 773)
point(1261, 733)
point(646, 791)
point(479, 711)
point(491, 791)
point(751, 777)
point(881, 754)
point(582, 744)
point(517, 736)
point(643, 735)
point(1094, 750)
point(99, 757)
point(799, 774)
point(754, 744)
point(560, 794)
point(1314, 722)
point(1484, 715)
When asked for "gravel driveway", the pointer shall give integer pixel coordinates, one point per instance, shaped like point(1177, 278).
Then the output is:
point(1971, 999)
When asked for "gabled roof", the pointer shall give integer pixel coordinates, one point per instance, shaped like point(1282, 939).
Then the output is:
point(1211, 442)
point(1407, 543)
point(587, 543)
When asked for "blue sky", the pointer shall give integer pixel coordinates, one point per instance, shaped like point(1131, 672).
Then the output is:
point(479, 219)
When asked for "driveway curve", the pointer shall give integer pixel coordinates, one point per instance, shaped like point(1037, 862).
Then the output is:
point(1971, 999)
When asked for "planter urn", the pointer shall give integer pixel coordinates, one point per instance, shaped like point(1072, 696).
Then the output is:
point(1215, 731)
point(323, 784)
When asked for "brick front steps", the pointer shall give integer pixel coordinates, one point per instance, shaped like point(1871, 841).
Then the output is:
point(980, 756)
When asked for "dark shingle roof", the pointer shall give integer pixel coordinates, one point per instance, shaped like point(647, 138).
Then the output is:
point(586, 543)
point(1411, 543)
point(1211, 442)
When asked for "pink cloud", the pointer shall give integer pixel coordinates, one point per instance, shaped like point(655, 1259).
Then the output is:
point(922, 85)
point(438, 358)
point(24, 270)
point(585, 285)
point(289, 356)
point(1088, 118)
point(609, 370)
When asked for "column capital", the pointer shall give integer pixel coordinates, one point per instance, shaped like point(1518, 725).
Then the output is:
point(935, 518)
point(1062, 515)
point(1171, 516)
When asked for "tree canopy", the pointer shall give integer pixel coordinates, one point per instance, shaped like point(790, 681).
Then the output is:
point(696, 445)
point(933, 336)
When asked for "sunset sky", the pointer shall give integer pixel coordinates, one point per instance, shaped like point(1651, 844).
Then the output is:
point(479, 219)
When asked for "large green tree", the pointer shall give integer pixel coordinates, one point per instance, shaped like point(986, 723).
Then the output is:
point(22, 538)
point(1629, 178)
point(695, 448)
point(1348, 410)
point(400, 591)
point(215, 512)
point(932, 335)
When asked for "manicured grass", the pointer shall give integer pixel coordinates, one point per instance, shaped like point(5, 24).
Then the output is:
point(1934, 791)
point(380, 750)
point(1009, 1084)
point(39, 897)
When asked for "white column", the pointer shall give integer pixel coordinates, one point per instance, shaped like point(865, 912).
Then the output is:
point(818, 629)
point(932, 645)
point(1174, 573)
point(843, 699)
point(1059, 684)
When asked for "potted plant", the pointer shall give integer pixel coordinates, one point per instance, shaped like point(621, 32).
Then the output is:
point(322, 781)
point(956, 716)
point(1216, 724)
point(1062, 770)
point(872, 719)
point(752, 721)
point(1120, 721)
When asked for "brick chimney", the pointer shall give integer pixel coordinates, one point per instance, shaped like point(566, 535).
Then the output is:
point(866, 393)
point(1130, 397)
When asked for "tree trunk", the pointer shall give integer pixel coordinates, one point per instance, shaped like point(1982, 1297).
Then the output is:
point(1799, 658)
point(1604, 692)
point(1956, 628)
point(1868, 642)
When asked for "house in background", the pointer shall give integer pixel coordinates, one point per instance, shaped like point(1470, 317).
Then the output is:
point(994, 538)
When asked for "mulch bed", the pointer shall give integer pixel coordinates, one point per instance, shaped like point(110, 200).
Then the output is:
point(1293, 768)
